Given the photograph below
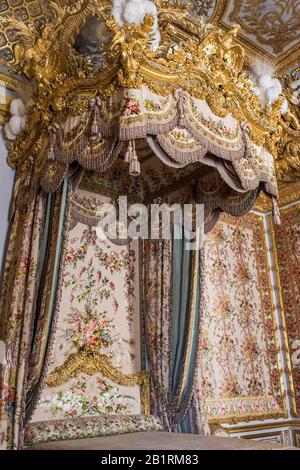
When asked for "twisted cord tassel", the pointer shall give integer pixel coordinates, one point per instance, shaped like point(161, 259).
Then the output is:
point(128, 153)
point(29, 172)
point(95, 129)
point(53, 138)
point(132, 158)
point(181, 110)
point(275, 212)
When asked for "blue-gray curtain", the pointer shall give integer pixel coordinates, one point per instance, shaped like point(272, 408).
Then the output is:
point(172, 293)
point(185, 330)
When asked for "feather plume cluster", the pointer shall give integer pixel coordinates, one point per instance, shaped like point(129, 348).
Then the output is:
point(134, 11)
point(268, 88)
point(19, 108)
point(17, 120)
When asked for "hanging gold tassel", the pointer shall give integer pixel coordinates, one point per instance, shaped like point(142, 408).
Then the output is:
point(181, 110)
point(95, 129)
point(29, 172)
point(52, 139)
point(51, 156)
point(134, 164)
point(275, 212)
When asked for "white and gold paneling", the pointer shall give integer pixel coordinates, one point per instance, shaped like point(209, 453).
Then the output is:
point(296, 437)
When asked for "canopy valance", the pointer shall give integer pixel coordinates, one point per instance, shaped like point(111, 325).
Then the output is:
point(188, 100)
point(179, 129)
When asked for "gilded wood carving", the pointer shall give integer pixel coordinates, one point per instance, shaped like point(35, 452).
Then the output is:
point(208, 64)
point(94, 363)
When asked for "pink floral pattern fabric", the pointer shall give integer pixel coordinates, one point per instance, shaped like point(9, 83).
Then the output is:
point(239, 372)
point(60, 430)
point(158, 304)
point(287, 237)
point(97, 312)
point(17, 300)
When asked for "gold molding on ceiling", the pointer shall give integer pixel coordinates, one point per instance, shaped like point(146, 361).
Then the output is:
point(38, 13)
point(255, 48)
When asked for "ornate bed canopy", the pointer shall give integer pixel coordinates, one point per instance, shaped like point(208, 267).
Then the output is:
point(187, 104)
point(158, 110)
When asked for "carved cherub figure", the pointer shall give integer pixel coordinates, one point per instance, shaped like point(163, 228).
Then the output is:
point(292, 92)
point(221, 46)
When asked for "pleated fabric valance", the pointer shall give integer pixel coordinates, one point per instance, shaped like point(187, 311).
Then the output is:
point(179, 129)
point(189, 103)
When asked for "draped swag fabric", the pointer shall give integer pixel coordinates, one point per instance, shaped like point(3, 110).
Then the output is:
point(171, 299)
point(179, 129)
point(27, 302)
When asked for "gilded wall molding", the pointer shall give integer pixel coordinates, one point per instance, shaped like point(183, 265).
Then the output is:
point(10, 81)
point(4, 113)
point(281, 295)
point(289, 193)
point(232, 419)
point(234, 429)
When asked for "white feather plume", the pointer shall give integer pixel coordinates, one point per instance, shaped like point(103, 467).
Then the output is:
point(117, 11)
point(15, 124)
point(18, 119)
point(134, 11)
point(268, 88)
point(17, 107)
point(8, 132)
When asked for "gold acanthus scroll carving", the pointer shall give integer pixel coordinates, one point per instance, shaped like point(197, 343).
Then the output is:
point(208, 64)
point(94, 363)
point(288, 161)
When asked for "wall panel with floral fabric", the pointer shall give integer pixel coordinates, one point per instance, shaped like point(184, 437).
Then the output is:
point(239, 373)
point(98, 310)
point(287, 243)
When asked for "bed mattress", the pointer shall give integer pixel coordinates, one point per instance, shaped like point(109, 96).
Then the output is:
point(158, 441)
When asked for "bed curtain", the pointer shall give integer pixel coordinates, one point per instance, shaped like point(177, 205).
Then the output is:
point(27, 301)
point(171, 303)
